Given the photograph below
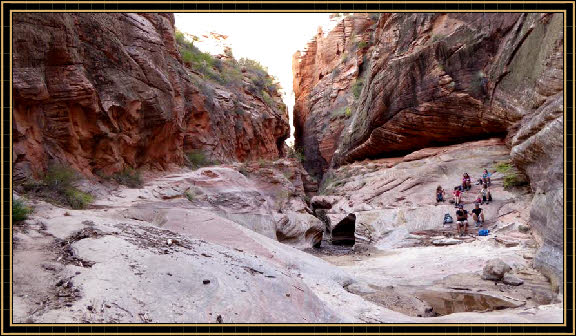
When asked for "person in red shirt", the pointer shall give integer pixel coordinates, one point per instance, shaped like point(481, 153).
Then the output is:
point(457, 196)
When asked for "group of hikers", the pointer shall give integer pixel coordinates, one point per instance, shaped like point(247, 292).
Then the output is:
point(484, 197)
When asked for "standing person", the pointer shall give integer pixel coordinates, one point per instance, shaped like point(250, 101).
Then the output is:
point(486, 177)
point(462, 220)
point(486, 195)
point(478, 214)
point(439, 194)
point(466, 183)
point(457, 195)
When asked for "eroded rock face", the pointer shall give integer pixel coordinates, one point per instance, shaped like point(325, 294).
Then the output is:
point(323, 78)
point(105, 91)
point(266, 197)
point(440, 79)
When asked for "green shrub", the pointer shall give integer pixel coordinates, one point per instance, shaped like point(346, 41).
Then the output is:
point(357, 87)
point(348, 112)
point(259, 77)
point(197, 159)
point(252, 65)
point(514, 180)
point(186, 56)
point(231, 76)
point(503, 167)
point(191, 196)
point(179, 36)
point(267, 99)
point(342, 112)
point(57, 186)
point(129, 177)
point(20, 211)
point(77, 199)
point(295, 154)
point(58, 176)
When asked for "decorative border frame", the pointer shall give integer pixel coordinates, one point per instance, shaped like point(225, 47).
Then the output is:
point(7, 327)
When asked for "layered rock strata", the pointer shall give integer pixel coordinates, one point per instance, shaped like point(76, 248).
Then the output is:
point(101, 92)
point(439, 79)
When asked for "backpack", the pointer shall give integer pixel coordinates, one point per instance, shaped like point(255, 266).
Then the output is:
point(483, 232)
point(448, 219)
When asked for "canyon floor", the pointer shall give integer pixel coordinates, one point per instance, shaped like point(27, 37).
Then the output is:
point(203, 246)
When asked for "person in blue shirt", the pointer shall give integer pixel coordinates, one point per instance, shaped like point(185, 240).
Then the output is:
point(486, 177)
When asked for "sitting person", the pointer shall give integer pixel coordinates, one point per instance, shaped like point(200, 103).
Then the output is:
point(457, 195)
point(478, 199)
point(439, 194)
point(486, 177)
point(466, 183)
point(486, 195)
point(462, 221)
point(478, 214)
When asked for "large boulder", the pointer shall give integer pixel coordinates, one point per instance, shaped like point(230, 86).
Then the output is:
point(495, 269)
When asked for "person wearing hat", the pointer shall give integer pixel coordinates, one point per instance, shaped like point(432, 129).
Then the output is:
point(461, 220)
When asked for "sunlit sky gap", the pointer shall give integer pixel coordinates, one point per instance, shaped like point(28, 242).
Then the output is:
point(269, 38)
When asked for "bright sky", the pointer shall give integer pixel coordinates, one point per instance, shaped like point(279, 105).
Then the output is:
point(269, 38)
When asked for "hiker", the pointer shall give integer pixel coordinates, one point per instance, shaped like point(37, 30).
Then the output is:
point(457, 195)
point(478, 214)
point(486, 195)
point(478, 199)
point(462, 220)
point(439, 194)
point(486, 177)
point(466, 184)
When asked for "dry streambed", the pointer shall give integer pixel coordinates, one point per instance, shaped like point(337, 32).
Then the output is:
point(203, 247)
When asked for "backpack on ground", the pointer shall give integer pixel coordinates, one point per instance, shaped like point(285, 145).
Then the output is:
point(483, 232)
point(448, 219)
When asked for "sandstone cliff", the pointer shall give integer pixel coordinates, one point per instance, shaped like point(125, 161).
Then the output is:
point(101, 92)
point(439, 79)
point(323, 78)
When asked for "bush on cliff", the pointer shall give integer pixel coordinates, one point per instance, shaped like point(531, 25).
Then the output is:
point(293, 153)
point(59, 181)
point(344, 111)
point(357, 87)
point(77, 199)
point(20, 211)
point(129, 177)
point(259, 76)
point(226, 71)
point(514, 180)
point(58, 186)
point(197, 159)
point(512, 177)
